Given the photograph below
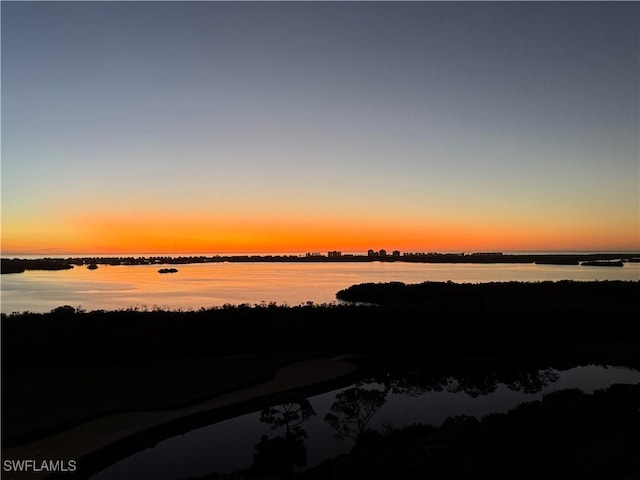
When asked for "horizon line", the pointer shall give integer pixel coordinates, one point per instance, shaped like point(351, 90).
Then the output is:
point(316, 252)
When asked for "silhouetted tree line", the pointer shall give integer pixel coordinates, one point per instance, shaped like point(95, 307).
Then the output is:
point(454, 320)
point(17, 265)
point(9, 265)
point(546, 294)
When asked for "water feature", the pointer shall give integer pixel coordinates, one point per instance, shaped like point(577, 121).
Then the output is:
point(215, 284)
point(231, 444)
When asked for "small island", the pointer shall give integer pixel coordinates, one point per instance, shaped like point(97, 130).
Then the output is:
point(168, 270)
point(603, 263)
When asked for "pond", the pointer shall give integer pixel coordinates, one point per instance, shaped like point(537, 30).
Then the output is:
point(398, 400)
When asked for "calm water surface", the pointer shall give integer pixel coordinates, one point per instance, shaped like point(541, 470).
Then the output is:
point(229, 445)
point(215, 284)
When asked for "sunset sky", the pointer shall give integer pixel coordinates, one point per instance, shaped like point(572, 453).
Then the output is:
point(175, 127)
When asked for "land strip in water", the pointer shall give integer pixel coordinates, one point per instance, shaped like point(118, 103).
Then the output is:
point(19, 265)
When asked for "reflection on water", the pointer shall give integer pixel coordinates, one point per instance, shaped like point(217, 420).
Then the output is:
point(297, 433)
point(280, 455)
point(353, 410)
point(214, 284)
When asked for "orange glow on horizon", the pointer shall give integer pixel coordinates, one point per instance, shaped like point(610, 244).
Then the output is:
point(121, 235)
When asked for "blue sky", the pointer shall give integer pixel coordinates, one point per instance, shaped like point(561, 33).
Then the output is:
point(455, 125)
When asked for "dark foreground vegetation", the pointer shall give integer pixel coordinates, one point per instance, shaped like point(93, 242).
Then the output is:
point(433, 318)
point(69, 365)
point(583, 321)
point(489, 297)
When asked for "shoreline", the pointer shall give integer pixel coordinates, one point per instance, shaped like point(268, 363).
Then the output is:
point(19, 265)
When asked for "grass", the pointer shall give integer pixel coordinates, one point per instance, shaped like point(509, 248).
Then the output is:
point(42, 400)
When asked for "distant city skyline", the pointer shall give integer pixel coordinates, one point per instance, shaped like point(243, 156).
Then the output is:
point(233, 127)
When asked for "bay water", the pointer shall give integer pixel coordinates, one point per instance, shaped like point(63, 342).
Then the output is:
point(205, 285)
